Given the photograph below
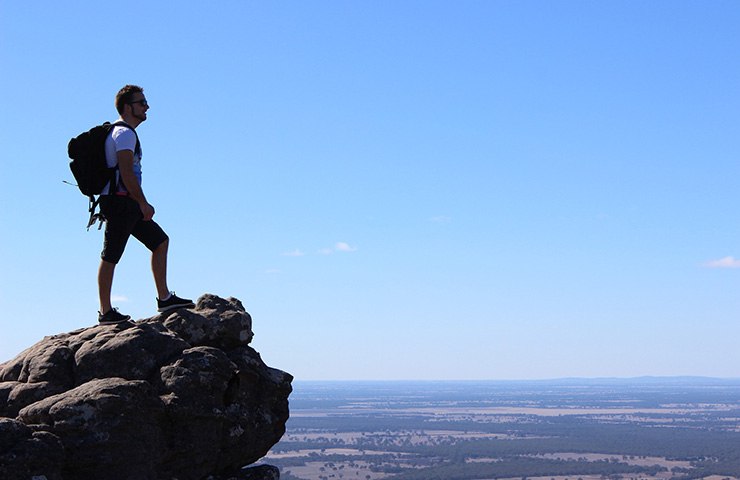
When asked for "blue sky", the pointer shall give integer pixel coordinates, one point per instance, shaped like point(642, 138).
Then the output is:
point(396, 189)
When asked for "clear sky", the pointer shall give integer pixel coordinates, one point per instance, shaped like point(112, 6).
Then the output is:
point(396, 189)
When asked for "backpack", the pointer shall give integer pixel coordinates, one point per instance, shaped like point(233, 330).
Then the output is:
point(89, 165)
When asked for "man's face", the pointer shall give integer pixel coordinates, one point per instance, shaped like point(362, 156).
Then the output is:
point(139, 106)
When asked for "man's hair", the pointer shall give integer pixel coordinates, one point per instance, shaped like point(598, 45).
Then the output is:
point(125, 94)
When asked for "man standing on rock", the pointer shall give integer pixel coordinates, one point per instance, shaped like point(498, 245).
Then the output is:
point(127, 211)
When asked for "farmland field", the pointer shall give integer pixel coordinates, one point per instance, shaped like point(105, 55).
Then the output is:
point(616, 429)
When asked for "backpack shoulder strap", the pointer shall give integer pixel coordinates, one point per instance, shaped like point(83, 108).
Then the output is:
point(121, 123)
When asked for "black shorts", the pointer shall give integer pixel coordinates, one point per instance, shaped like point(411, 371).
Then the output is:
point(123, 218)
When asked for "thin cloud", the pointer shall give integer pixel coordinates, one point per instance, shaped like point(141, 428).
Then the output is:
point(338, 247)
point(294, 253)
point(344, 247)
point(725, 262)
point(119, 298)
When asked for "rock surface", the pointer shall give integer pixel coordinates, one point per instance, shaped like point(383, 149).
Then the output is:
point(180, 396)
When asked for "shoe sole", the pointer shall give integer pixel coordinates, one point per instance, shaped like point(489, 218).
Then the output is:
point(116, 322)
point(172, 307)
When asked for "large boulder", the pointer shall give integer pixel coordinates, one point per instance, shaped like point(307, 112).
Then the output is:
point(180, 395)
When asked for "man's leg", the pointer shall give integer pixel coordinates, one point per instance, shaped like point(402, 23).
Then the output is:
point(159, 269)
point(152, 235)
point(105, 284)
point(118, 226)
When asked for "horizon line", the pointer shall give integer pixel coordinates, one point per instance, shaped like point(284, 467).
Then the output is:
point(552, 379)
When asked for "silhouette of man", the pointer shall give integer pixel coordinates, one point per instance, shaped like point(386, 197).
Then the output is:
point(127, 211)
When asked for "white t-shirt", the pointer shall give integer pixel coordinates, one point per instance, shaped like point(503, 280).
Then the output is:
point(121, 138)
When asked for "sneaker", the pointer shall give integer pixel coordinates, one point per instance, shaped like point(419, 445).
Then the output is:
point(112, 317)
point(173, 302)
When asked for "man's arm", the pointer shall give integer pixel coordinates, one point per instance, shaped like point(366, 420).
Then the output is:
point(126, 170)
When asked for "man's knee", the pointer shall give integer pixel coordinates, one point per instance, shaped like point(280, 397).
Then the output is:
point(162, 247)
point(107, 266)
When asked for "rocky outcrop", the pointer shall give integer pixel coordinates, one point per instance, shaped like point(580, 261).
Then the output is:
point(180, 395)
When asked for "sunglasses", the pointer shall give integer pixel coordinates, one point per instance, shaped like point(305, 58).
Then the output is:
point(142, 102)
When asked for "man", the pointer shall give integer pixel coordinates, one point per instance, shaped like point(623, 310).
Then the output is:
point(127, 211)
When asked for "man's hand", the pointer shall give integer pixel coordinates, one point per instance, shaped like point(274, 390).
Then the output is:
point(147, 211)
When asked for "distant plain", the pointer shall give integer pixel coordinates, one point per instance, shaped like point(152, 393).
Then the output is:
point(590, 429)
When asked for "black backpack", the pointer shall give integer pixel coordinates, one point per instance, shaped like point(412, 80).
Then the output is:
point(89, 165)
